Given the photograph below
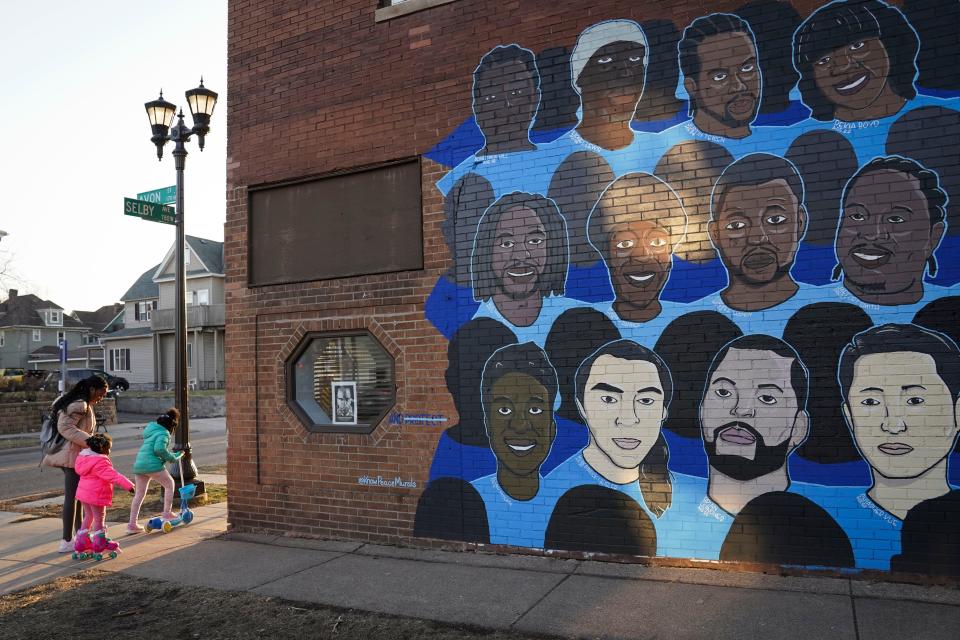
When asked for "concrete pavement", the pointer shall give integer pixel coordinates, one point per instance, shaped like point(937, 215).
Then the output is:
point(577, 599)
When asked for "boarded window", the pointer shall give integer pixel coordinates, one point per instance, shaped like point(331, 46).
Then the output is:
point(351, 224)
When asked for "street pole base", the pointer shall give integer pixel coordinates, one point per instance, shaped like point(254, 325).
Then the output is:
point(201, 489)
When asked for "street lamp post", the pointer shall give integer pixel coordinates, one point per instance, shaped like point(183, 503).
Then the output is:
point(161, 113)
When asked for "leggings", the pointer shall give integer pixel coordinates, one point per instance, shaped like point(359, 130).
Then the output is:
point(71, 512)
point(142, 481)
point(93, 515)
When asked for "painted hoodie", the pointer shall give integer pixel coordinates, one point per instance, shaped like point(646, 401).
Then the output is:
point(97, 477)
point(154, 451)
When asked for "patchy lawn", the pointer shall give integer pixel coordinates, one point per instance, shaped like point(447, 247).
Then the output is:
point(20, 443)
point(97, 604)
point(219, 469)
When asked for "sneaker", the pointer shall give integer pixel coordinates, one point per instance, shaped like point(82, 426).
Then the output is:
point(133, 529)
point(66, 546)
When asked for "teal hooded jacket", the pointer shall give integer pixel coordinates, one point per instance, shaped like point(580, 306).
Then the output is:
point(154, 452)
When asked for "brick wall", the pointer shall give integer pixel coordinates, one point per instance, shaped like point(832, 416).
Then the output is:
point(682, 232)
point(25, 417)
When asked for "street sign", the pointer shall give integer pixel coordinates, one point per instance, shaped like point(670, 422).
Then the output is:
point(149, 211)
point(166, 195)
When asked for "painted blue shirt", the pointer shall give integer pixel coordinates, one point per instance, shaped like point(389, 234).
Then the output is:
point(529, 171)
point(869, 138)
point(883, 314)
point(522, 523)
point(874, 533)
point(694, 526)
point(771, 321)
point(768, 139)
point(644, 333)
point(537, 332)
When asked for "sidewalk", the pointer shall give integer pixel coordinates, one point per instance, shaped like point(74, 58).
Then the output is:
point(570, 598)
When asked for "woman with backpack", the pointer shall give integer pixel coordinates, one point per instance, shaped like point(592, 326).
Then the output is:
point(75, 422)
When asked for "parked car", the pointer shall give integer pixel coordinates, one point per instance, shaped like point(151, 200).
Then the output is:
point(12, 374)
point(115, 383)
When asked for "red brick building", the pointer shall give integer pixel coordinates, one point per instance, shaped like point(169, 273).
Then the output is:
point(459, 231)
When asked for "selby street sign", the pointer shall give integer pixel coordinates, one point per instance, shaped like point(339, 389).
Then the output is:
point(149, 211)
point(166, 195)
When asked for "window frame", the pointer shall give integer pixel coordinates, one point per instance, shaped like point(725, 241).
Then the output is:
point(113, 359)
point(37, 335)
point(55, 318)
point(3, 339)
point(290, 389)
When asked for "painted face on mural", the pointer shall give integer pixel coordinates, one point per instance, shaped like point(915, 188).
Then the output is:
point(640, 260)
point(519, 252)
point(757, 231)
point(902, 414)
point(885, 238)
point(855, 75)
point(623, 404)
point(750, 417)
point(520, 424)
point(615, 72)
point(505, 101)
point(726, 91)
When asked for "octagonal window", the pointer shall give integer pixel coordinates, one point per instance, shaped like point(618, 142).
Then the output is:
point(340, 382)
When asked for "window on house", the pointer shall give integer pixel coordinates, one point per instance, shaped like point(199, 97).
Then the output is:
point(352, 224)
point(189, 355)
point(120, 359)
point(186, 256)
point(56, 317)
point(340, 382)
point(3, 339)
point(141, 311)
point(61, 336)
point(37, 335)
point(202, 296)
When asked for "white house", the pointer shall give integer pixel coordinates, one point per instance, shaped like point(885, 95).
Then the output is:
point(143, 350)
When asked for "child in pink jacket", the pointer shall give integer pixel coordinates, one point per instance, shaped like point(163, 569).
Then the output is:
point(97, 477)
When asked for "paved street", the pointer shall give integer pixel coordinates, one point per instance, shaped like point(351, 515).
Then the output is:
point(21, 475)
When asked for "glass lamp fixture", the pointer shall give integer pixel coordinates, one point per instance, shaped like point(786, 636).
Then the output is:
point(201, 102)
point(160, 113)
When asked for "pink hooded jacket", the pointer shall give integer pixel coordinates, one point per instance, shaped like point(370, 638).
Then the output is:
point(97, 477)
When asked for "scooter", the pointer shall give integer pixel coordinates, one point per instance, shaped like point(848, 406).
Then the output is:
point(187, 492)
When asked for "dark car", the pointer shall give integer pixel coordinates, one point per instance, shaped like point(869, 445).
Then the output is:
point(115, 383)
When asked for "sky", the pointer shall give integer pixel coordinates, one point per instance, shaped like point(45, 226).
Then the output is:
point(76, 140)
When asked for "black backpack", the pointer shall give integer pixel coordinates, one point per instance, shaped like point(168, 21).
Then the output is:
point(51, 441)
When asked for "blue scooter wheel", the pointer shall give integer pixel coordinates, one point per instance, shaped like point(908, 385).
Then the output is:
point(187, 517)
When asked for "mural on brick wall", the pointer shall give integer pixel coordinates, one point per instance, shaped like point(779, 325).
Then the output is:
point(703, 284)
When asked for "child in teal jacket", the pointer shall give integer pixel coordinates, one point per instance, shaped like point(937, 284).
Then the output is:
point(151, 463)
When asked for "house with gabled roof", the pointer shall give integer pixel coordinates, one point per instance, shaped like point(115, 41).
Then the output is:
point(30, 325)
point(142, 351)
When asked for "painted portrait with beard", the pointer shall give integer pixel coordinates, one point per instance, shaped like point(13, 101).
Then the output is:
point(891, 222)
point(636, 226)
point(757, 220)
point(718, 58)
point(752, 416)
point(520, 256)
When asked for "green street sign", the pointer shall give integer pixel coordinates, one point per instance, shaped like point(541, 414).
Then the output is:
point(166, 195)
point(149, 211)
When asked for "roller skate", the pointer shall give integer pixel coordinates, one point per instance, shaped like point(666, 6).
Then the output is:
point(102, 544)
point(82, 546)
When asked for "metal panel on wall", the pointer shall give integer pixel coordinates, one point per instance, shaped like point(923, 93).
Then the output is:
point(344, 225)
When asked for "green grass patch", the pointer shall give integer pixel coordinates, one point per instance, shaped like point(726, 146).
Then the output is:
point(20, 443)
point(201, 393)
